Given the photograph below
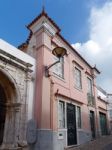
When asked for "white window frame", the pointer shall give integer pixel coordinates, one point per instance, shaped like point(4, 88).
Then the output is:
point(58, 69)
point(65, 113)
point(90, 86)
point(79, 127)
point(63, 119)
point(78, 79)
point(110, 113)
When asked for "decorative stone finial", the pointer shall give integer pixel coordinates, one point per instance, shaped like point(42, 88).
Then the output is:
point(43, 7)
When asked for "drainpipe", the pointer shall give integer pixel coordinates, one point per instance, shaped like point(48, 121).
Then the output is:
point(51, 101)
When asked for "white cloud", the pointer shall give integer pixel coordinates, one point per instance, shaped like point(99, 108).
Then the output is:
point(98, 49)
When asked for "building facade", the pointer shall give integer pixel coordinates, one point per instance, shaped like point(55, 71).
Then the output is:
point(103, 113)
point(53, 111)
point(106, 98)
point(67, 110)
point(109, 107)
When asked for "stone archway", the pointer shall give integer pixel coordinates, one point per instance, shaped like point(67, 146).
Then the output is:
point(9, 115)
point(2, 112)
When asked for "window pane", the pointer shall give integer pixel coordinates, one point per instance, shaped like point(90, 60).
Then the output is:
point(61, 115)
point(78, 117)
point(110, 113)
point(78, 83)
point(89, 86)
point(58, 69)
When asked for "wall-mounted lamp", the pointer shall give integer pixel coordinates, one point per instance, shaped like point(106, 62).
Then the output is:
point(58, 52)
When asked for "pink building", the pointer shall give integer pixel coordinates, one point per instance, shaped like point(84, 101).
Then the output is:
point(66, 109)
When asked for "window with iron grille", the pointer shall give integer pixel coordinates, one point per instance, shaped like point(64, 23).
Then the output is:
point(58, 69)
point(90, 97)
point(110, 112)
point(77, 76)
point(89, 82)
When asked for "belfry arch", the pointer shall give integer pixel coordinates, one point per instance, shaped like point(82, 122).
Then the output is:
point(9, 110)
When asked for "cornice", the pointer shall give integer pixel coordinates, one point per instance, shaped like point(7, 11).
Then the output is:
point(8, 58)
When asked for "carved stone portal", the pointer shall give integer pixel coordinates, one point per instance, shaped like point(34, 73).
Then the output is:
point(11, 118)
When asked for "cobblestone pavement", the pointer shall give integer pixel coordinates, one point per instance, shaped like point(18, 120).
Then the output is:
point(103, 143)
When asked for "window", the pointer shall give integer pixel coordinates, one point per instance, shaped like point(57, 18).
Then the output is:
point(110, 113)
point(58, 69)
point(78, 82)
point(89, 81)
point(90, 97)
point(61, 114)
point(78, 117)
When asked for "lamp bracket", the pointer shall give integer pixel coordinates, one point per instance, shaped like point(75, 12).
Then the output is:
point(48, 67)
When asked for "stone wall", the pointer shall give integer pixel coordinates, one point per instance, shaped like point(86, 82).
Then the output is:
point(15, 76)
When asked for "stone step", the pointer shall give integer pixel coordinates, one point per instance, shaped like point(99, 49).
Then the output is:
point(18, 148)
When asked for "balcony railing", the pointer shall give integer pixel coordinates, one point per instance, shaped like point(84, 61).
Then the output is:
point(91, 99)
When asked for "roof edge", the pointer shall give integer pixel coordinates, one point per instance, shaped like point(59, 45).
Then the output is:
point(77, 53)
point(43, 13)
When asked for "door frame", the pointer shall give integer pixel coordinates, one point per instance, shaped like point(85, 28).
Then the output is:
point(93, 113)
point(103, 114)
point(66, 101)
point(75, 107)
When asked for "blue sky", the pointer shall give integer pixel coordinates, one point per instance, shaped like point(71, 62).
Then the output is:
point(86, 24)
point(70, 15)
